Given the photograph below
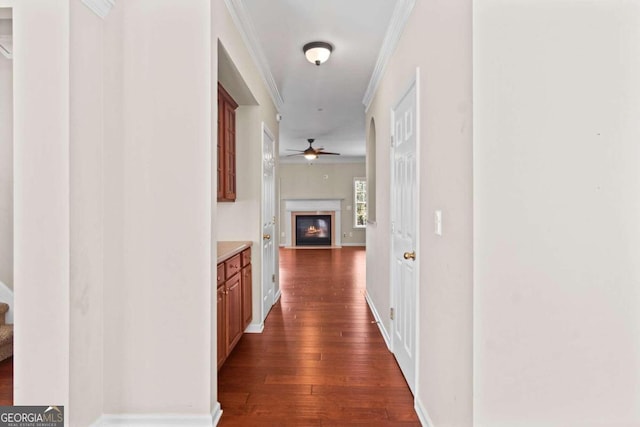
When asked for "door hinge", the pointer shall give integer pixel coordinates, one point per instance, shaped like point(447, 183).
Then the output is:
point(273, 278)
point(391, 313)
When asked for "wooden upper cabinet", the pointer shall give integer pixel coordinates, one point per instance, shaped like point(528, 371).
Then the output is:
point(220, 145)
point(226, 146)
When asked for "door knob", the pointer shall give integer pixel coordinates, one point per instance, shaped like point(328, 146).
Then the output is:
point(266, 236)
point(410, 255)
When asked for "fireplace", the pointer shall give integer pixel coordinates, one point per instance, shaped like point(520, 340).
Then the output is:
point(312, 208)
point(313, 230)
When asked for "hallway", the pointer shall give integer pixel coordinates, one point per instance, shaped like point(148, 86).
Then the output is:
point(320, 360)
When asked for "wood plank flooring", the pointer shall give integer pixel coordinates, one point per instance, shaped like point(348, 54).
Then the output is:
point(321, 360)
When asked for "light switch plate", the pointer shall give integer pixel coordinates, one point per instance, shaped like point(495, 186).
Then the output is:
point(438, 222)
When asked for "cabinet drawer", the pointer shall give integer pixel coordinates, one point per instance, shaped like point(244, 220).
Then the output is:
point(232, 266)
point(246, 257)
point(221, 275)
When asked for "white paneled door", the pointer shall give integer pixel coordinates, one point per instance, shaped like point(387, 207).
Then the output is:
point(268, 221)
point(404, 232)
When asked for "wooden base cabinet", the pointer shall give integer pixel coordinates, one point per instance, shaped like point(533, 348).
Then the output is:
point(222, 330)
point(234, 302)
point(247, 302)
point(234, 311)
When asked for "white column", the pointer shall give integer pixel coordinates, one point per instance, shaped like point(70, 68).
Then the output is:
point(158, 334)
point(41, 197)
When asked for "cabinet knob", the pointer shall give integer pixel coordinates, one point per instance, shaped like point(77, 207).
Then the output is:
point(266, 236)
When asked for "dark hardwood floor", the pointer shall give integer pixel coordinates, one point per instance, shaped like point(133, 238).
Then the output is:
point(321, 361)
point(6, 382)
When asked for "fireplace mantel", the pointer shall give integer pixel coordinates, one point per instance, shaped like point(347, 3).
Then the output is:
point(312, 205)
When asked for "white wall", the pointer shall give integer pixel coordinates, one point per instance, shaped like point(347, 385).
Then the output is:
point(242, 220)
point(307, 181)
point(158, 325)
point(6, 171)
point(86, 217)
point(557, 203)
point(437, 39)
point(113, 205)
point(41, 197)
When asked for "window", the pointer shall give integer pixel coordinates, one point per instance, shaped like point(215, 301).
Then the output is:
point(360, 202)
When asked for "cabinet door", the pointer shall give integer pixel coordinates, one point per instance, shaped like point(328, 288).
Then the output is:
point(247, 303)
point(221, 157)
point(234, 310)
point(222, 326)
point(226, 146)
point(230, 152)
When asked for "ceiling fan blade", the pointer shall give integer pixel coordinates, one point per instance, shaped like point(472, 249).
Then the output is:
point(311, 151)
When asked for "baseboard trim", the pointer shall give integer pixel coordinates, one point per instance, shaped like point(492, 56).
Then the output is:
point(364, 245)
point(423, 415)
point(254, 328)
point(376, 315)
point(277, 297)
point(160, 420)
point(216, 414)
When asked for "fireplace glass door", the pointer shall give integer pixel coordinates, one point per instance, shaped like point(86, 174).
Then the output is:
point(313, 230)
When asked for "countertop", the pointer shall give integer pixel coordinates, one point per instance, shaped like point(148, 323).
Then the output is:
point(227, 249)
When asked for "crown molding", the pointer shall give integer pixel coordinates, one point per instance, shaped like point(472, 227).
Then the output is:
point(399, 18)
point(244, 24)
point(100, 7)
point(6, 46)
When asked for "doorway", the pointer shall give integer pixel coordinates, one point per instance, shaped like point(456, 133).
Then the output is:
point(268, 222)
point(404, 230)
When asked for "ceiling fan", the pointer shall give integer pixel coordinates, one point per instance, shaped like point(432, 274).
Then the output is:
point(312, 153)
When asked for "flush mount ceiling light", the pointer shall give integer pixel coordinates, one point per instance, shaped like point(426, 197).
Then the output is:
point(317, 52)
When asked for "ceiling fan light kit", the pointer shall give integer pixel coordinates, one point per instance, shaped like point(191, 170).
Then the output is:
point(317, 52)
point(312, 153)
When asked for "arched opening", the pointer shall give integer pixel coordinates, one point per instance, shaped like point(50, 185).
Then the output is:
point(371, 172)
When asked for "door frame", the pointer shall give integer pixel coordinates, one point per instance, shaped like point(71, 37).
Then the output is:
point(267, 131)
point(415, 81)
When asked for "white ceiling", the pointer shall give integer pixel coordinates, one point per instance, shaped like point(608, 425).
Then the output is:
point(322, 102)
